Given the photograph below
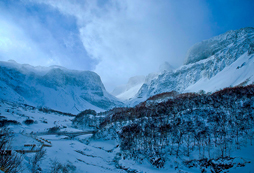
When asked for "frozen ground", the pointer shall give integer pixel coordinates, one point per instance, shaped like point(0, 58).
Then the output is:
point(83, 153)
point(76, 151)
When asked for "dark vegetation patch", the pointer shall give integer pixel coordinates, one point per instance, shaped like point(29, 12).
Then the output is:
point(164, 95)
point(48, 110)
point(5, 122)
point(189, 122)
point(2, 117)
point(9, 161)
point(86, 112)
point(29, 121)
point(54, 129)
point(87, 118)
point(215, 165)
point(83, 116)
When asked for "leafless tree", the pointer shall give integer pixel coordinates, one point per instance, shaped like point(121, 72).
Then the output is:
point(10, 161)
point(36, 160)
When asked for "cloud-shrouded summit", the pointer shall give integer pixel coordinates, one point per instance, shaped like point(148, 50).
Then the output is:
point(116, 39)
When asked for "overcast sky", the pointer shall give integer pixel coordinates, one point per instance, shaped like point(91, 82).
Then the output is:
point(117, 39)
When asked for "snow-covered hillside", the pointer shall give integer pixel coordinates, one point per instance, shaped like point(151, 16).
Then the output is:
point(67, 148)
point(175, 130)
point(54, 87)
point(189, 133)
point(125, 92)
point(128, 91)
point(223, 61)
point(240, 72)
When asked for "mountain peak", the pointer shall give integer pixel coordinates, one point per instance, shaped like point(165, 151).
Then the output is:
point(217, 44)
point(222, 61)
point(54, 87)
point(127, 91)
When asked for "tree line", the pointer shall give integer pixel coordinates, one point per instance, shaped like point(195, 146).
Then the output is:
point(212, 125)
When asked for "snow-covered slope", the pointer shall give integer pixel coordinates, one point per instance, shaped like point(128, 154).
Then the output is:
point(129, 91)
point(125, 92)
point(229, 41)
point(72, 148)
point(240, 72)
point(223, 61)
point(54, 87)
point(206, 132)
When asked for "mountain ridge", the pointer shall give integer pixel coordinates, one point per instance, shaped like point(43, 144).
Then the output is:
point(223, 53)
point(54, 87)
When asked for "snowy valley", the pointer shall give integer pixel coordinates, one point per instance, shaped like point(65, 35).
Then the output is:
point(196, 118)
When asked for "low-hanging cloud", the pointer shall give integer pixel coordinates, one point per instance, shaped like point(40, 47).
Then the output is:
point(15, 44)
point(39, 35)
point(117, 39)
point(134, 37)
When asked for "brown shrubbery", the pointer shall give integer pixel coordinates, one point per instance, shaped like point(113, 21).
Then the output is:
point(188, 122)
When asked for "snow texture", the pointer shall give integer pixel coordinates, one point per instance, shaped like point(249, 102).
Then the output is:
point(74, 152)
point(54, 87)
point(223, 61)
point(125, 92)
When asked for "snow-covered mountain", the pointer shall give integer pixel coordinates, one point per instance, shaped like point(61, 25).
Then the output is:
point(165, 67)
point(223, 61)
point(175, 131)
point(125, 92)
point(128, 91)
point(54, 87)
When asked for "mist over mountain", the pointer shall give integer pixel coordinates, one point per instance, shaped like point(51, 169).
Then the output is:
point(213, 64)
point(223, 61)
point(128, 91)
point(54, 87)
point(196, 118)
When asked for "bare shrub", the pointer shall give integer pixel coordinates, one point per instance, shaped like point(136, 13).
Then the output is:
point(10, 161)
point(37, 159)
point(57, 167)
point(54, 129)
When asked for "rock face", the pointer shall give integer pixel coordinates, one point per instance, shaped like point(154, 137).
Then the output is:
point(223, 61)
point(54, 87)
